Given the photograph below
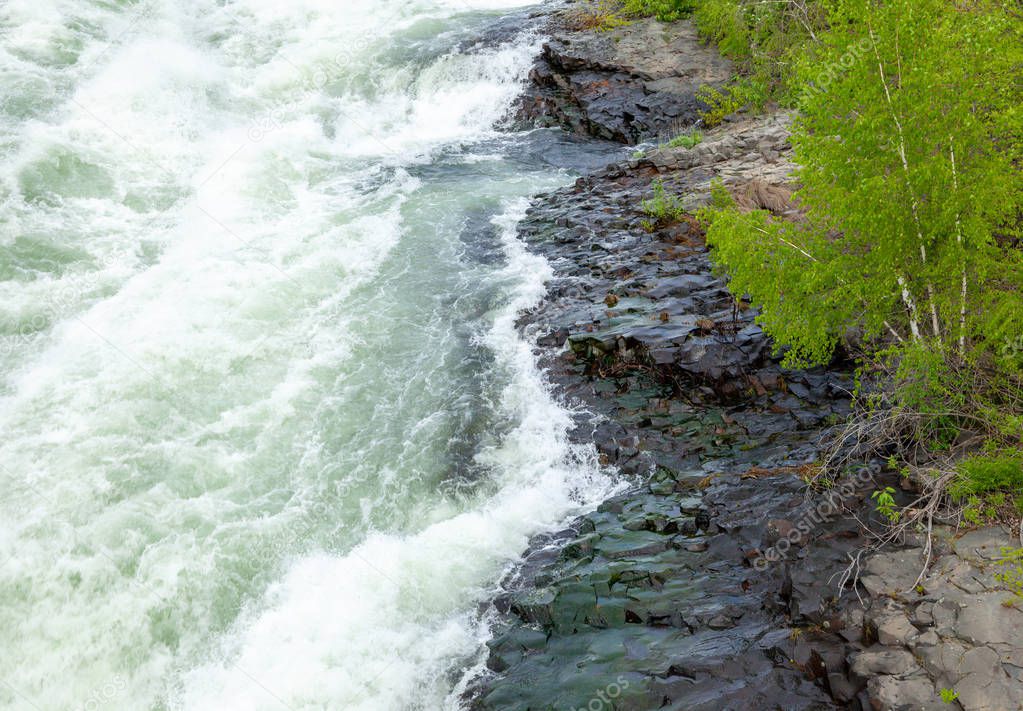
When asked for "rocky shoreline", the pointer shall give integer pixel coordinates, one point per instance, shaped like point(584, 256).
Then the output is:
point(713, 582)
point(625, 86)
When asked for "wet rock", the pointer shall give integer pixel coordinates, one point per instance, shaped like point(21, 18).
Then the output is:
point(778, 529)
point(554, 339)
point(630, 84)
point(720, 622)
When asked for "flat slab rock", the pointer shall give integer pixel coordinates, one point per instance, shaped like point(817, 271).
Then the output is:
point(957, 630)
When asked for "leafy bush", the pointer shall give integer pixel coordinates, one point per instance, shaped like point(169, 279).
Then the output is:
point(877, 247)
point(764, 39)
point(1011, 576)
point(726, 23)
point(989, 472)
point(884, 504)
point(663, 10)
point(663, 207)
point(776, 262)
point(910, 147)
point(686, 140)
point(927, 383)
point(603, 15)
point(743, 93)
point(598, 15)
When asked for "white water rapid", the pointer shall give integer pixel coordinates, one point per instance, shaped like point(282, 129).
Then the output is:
point(268, 433)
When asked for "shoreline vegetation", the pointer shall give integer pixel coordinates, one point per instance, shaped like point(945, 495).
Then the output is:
point(904, 247)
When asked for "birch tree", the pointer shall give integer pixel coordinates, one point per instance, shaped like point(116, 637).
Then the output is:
point(908, 142)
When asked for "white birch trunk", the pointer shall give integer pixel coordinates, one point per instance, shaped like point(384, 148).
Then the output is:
point(962, 251)
point(906, 296)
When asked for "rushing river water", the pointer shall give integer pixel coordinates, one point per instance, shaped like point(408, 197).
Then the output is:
point(269, 433)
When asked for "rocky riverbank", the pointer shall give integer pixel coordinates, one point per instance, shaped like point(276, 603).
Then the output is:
point(713, 582)
point(626, 86)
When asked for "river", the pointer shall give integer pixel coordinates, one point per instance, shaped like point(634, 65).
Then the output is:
point(269, 432)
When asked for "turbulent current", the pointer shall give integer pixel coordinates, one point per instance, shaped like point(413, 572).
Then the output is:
point(268, 432)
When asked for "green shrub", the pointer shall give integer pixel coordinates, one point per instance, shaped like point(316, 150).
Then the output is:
point(989, 472)
point(725, 23)
point(598, 15)
point(1011, 576)
point(686, 140)
point(913, 199)
point(663, 207)
point(765, 39)
point(927, 383)
point(776, 262)
point(884, 504)
point(664, 10)
point(743, 93)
